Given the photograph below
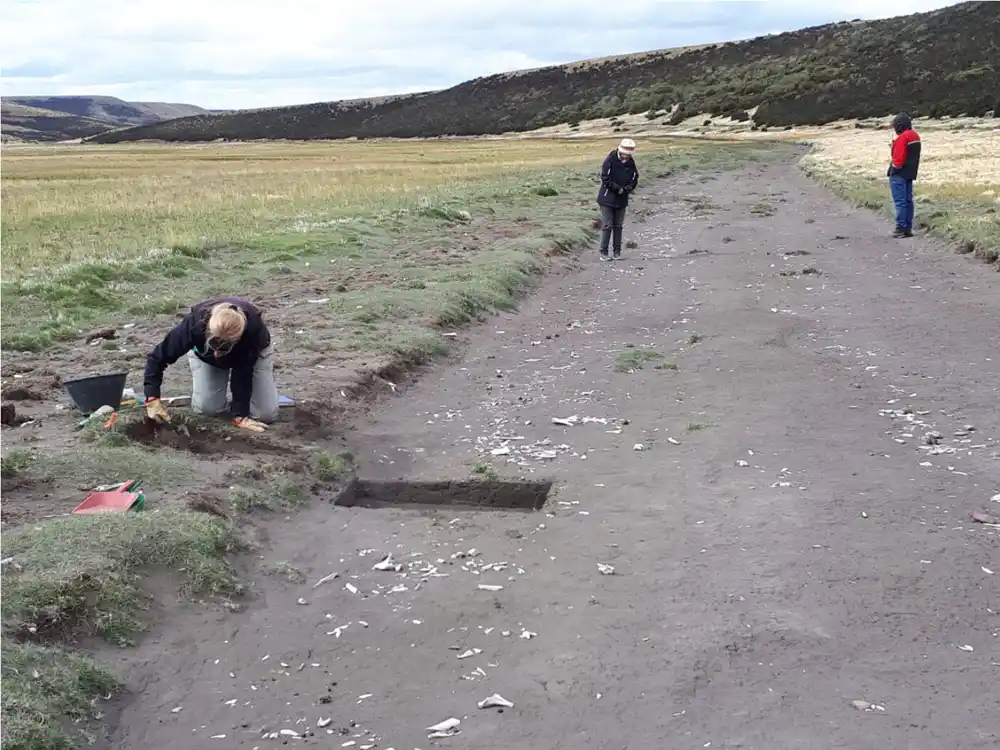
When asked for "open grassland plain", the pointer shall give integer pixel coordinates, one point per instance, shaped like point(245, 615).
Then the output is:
point(367, 258)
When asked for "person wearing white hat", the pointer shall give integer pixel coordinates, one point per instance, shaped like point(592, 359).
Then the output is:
point(619, 177)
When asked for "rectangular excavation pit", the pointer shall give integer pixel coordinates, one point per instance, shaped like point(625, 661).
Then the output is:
point(474, 494)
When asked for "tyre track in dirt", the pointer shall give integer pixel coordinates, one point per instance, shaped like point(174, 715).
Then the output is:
point(799, 546)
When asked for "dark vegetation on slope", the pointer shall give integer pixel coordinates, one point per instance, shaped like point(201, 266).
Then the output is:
point(930, 64)
point(60, 118)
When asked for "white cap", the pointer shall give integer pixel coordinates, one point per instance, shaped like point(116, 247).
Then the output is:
point(627, 146)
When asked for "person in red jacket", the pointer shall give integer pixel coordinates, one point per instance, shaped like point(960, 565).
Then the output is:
point(903, 171)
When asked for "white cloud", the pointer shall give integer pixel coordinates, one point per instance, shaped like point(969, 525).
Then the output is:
point(234, 53)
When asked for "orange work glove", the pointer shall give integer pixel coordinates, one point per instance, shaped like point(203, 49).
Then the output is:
point(156, 411)
point(246, 423)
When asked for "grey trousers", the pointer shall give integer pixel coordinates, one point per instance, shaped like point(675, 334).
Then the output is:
point(209, 385)
point(612, 221)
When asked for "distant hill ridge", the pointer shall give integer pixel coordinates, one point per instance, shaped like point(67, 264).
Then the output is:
point(930, 64)
point(59, 118)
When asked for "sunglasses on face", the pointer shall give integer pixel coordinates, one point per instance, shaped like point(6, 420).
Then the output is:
point(219, 345)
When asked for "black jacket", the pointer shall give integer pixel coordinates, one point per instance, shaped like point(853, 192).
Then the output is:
point(190, 334)
point(615, 175)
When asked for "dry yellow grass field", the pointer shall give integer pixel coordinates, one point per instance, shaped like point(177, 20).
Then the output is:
point(72, 204)
point(964, 160)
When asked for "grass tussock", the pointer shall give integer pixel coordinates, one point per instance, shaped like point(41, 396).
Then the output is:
point(332, 467)
point(84, 575)
point(485, 472)
point(633, 360)
point(278, 493)
point(47, 689)
point(112, 458)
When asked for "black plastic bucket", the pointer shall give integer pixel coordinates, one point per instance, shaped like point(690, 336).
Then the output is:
point(90, 394)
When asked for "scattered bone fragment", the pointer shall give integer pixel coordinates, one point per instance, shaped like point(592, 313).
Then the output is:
point(495, 701)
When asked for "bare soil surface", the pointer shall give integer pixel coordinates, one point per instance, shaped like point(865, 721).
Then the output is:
point(786, 514)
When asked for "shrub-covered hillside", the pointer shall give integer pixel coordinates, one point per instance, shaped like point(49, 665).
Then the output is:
point(934, 64)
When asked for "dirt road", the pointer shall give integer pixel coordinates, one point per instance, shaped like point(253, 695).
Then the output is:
point(787, 541)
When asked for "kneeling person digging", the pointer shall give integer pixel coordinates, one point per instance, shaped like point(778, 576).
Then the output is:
point(228, 345)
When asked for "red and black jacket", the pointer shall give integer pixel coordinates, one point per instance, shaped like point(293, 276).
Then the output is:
point(905, 155)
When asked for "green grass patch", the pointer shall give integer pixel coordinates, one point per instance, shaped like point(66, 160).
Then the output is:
point(633, 360)
point(16, 462)
point(284, 569)
point(699, 203)
point(331, 467)
point(485, 472)
point(84, 573)
point(47, 696)
point(762, 208)
point(278, 493)
point(112, 458)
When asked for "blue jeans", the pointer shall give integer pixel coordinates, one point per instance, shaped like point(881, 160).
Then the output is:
point(902, 196)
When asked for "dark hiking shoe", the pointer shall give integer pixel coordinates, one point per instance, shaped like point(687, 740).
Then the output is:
point(605, 256)
point(898, 232)
point(618, 256)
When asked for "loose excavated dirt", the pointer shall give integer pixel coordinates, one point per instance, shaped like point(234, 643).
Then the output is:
point(200, 440)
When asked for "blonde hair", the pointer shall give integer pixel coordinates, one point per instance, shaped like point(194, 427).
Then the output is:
point(227, 321)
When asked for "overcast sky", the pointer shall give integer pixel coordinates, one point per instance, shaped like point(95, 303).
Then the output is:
point(248, 53)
